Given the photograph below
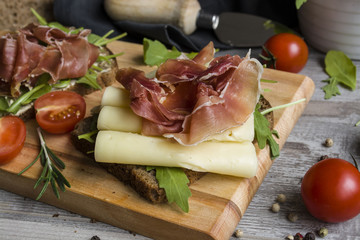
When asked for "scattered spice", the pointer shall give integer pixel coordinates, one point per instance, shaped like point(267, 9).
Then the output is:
point(298, 236)
point(323, 157)
point(238, 233)
point(323, 232)
point(293, 217)
point(56, 215)
point(275, 207)
point(309, 236)
point(329, 142)
point(95, 238)
point(281, 198)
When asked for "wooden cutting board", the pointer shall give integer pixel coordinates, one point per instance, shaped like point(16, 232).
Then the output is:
point(217, 204)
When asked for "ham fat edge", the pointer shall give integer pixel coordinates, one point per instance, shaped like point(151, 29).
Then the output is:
point(191, 100)
point(34, 50)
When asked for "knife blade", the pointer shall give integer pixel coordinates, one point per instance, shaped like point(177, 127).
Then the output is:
point(236, 29)
point(232, 28)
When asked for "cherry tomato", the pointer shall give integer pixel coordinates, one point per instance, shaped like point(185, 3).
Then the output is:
point(12, 137)
point(58, 112)
point(286, 52)
point(331, 190)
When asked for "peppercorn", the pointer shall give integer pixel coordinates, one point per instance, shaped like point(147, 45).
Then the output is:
point(329, 142)
point(309, 236)
point(323, 232)
point(281, 198)
point(293, 217)
point(238, 233)
point(275, 207)
point(323, 157)
point(298, 236)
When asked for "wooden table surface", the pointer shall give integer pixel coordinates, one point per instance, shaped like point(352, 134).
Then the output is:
point(23, 218)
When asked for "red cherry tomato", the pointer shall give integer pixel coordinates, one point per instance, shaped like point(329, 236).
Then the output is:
point(58, 112)
point(331, 190)
point(12, 137)
point(286, 52)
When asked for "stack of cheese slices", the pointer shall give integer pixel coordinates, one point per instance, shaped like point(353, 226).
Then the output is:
point(120, 141)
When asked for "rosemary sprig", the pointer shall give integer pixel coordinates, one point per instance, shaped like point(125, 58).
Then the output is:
point(52, 165)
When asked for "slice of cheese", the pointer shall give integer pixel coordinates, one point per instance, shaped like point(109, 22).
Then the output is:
point(117, 97)
point(119, 119)
point(229, 158)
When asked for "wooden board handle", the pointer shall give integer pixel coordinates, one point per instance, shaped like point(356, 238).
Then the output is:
point(181, 13)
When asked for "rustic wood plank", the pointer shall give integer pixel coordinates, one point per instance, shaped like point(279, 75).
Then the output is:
point(27, 218)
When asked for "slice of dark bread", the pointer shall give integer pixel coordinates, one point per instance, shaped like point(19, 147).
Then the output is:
point(142, 181)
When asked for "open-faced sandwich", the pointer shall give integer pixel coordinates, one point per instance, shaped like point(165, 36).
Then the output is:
point(160, 133)
point(40, 58)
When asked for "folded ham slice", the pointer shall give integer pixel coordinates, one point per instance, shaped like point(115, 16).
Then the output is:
point(35, 50)
point(190, 100)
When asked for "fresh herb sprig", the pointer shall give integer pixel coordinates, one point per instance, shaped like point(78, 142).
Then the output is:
point(52, 165)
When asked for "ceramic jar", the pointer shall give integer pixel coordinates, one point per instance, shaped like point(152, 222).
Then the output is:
point(332, 25)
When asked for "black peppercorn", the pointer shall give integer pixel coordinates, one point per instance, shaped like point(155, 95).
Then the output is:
point(298, 236)
point(309, 236)
point(323, 157)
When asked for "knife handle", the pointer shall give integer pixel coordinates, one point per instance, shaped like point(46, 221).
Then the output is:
point(182, 13)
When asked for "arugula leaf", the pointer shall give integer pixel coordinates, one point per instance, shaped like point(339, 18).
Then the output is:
point(89, 79)
point(88, 136)
point(341, 70)
point(156, 53)
point(264, 135)
point(299, 3)
point(175, 183)
point(3, 103)
point(340, 66)
point(331, 89)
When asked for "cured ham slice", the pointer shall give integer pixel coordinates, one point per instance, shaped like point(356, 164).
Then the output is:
point(35, 50)
point(189, 100)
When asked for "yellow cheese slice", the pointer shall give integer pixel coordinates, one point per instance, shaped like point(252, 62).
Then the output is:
point(229, 158)
point(119, 119)
point(117, 97)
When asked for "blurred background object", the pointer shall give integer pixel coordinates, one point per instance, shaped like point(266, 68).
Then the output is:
point(16, 13)
point(332, 25)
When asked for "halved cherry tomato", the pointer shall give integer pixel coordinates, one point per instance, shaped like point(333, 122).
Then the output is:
point(286, 52)
point(58, 112)
point(331, 190)
point(12, 137)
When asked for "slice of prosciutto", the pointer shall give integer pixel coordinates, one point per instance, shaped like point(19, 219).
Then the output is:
point(190, 100)
point(34, 50)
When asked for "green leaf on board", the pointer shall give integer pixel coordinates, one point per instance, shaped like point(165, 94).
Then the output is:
point(175, 183)
point(156, 53)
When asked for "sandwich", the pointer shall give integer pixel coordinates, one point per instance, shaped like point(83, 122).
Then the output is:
point(191, 117)
point(40, 58)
